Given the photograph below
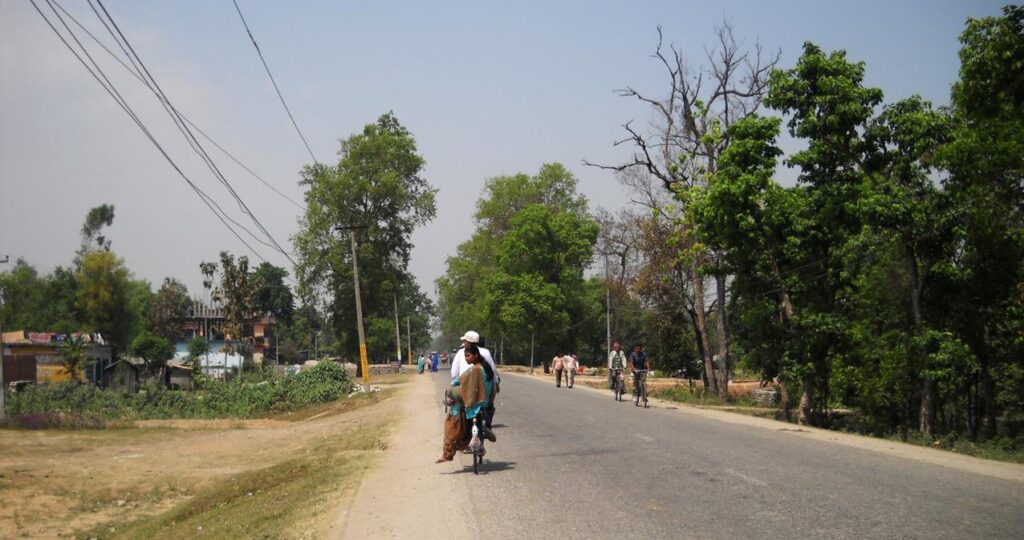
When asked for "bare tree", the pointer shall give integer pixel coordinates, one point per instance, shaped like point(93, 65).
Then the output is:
point(689, 132)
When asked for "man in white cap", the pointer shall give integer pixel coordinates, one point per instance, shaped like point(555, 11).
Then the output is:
point(459, 364)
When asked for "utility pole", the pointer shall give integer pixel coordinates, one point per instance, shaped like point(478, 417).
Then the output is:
point(408, 338)
point(608, 323)
point(531, 352)
point(3, 384)
point(501, 350)
point(398, 337)
point(363, 363)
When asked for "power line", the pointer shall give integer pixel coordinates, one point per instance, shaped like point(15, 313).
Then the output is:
point(109, 83)
point(276, 88)
point(115, 95)
point(134, 71)
point(165, 101)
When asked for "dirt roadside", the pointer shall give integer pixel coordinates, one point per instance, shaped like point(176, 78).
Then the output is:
point(53, 483)
point(406, 495)
point(995, 469)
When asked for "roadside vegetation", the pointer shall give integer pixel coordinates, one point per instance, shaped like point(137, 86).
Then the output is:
point(79, 405)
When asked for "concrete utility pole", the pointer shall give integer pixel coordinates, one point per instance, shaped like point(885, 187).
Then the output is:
point(408, 339)
point(3, 384)
point(531, 352)
point(363, 363)
point(398, 336)
point(608, 322)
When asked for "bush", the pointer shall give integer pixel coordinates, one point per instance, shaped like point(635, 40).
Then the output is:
point(81, 405)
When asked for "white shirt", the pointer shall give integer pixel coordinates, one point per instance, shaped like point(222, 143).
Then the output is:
point(460, 365)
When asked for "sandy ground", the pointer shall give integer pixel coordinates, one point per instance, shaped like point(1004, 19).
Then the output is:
point(995, 469)
point(53, 483)
point(407, 495)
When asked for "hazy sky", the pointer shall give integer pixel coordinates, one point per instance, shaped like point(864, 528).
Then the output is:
point(487, 88)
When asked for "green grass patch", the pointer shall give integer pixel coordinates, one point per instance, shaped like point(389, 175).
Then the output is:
point(697, 397)
point(278, 501)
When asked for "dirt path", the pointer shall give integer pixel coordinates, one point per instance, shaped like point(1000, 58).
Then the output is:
point(406, 496)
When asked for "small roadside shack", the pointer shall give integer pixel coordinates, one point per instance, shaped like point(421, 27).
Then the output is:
point(35, 357)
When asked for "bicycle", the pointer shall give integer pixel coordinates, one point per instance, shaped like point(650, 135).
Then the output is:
point(476, 448)
point(640, 387)
point(618, 385)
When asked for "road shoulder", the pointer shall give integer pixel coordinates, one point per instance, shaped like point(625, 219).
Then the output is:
point(406, 495)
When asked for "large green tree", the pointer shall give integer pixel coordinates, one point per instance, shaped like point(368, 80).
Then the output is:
point(103, 298)
point(378, 187)
point(521, 272)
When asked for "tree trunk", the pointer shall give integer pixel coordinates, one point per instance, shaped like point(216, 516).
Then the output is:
point(806, 417)
point(702, 327)
point(722, 335)
point(928, 397)
point(988, 410)
point(784, 399)
point(927, 425)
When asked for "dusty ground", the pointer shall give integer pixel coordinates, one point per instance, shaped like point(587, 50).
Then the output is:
point(53, 483)
point(407, 495)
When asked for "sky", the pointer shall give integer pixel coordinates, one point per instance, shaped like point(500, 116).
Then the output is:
point(486, 88)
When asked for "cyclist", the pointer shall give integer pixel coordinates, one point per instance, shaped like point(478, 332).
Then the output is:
point(616, 363)
point(638, 361)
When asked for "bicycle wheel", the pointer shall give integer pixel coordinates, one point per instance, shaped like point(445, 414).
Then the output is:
point(477, 461)
point(645, 395)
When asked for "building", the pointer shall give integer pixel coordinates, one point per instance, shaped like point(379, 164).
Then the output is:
point(207, 320)
point(35, 357)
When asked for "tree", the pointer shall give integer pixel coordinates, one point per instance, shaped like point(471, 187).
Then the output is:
point(985, 157)
point(168, 310)
point(155, 351)
point(377, 185)
point(102, 298)
point(73, 356)
point(232, 287)
point(92, 230)
point(272, 295)
point(691, 132)
point(522, 270)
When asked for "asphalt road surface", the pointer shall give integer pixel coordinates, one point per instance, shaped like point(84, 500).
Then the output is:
point(573, 463)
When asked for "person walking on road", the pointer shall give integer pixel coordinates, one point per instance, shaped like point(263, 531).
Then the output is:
point(570, 364)
point(558, 366)
point(420, 364)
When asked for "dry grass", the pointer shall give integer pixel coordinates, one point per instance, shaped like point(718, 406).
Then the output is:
point(143, 481)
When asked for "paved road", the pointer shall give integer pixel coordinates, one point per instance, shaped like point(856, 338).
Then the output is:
point(573, 463)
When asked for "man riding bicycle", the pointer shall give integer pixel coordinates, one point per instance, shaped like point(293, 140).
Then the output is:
point(616, 364)
point(638, 361)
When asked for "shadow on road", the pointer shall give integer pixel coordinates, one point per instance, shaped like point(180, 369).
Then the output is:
point(487, 467)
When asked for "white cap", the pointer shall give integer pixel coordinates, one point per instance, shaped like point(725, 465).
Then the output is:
point(471, 337)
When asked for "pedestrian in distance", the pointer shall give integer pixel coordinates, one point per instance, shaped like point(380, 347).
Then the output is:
point(558, 366)
point(570, 364)
point(420, 364)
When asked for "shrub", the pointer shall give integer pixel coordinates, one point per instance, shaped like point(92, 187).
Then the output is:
point(76, 405)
